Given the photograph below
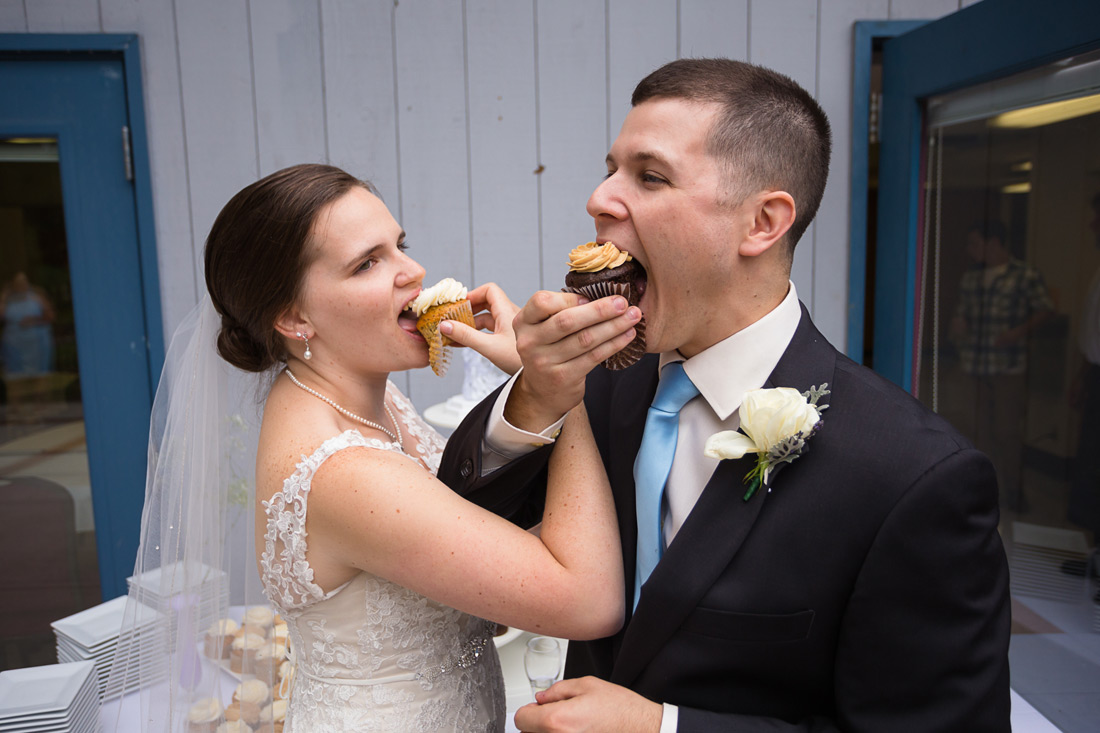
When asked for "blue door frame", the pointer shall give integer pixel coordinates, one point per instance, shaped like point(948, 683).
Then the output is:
point(982, 42)
point(867, 33)
point(113, 270)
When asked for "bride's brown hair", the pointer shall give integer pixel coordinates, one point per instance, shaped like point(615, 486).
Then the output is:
point(257, 254)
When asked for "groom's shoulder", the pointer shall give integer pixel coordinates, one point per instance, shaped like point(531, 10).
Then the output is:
point(884, 413)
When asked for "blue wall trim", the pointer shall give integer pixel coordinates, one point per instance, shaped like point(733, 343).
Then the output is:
point(985, 41)
point(866, 32)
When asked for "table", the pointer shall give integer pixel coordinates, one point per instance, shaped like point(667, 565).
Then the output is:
point(517, 691)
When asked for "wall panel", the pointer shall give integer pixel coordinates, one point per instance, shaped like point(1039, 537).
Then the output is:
point(572, 126)
point(217, 101)
point(286, 60)
point(641, 37)
point(155, 22)
point(13, 16)
point(710, 28)
point(360, 112)
point(435, 176)
point(503, 146)
point(62, 16)
point(783, 37)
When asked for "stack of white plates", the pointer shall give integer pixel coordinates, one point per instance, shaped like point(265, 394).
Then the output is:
point(94, 635)
point(207, 584)
point(56, 697)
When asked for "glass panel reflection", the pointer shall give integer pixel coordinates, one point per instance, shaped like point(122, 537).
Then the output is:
point(48, 545)
point(1009, 349)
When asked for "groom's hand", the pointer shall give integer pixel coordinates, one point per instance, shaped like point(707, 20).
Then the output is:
point(592, 705)
point(560, 338)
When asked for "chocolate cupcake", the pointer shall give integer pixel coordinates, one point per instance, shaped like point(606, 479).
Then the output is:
point(600, 270)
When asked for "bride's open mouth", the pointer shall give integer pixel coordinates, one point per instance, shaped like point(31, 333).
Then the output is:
point(407, 321)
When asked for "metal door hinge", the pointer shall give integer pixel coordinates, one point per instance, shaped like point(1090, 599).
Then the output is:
point(127, 158)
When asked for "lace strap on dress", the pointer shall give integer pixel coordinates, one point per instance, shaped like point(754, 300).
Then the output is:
point(286, 574)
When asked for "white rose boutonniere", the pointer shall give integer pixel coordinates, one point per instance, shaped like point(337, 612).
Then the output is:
point(775, 425)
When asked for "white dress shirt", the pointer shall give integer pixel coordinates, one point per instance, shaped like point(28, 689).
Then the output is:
point(723, 373)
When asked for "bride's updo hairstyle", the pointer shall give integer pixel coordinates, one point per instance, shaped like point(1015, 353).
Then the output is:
point(257, 254)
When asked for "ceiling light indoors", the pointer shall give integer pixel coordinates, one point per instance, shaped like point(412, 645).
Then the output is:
point(1049, 113)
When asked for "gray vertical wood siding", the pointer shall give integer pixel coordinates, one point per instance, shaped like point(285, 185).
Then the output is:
point(483, 122)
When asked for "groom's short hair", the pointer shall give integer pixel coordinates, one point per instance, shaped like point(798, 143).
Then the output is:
point(770, 133)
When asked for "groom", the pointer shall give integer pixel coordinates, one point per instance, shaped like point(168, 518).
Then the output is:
point(862, 588)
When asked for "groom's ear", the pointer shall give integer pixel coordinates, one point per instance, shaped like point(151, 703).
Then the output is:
point(773, 213)
point(291, 322)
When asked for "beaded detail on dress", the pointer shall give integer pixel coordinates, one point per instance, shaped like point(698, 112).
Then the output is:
point(372, 655)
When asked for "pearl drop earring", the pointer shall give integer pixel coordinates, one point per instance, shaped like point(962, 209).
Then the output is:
point(309, 354)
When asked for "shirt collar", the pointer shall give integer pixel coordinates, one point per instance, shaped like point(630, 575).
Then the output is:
point(742, 362)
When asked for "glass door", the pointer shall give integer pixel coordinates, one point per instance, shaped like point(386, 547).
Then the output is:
point(45, 490)
point(1008, 336)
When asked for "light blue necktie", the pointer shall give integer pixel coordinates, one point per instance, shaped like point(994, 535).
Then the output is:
point(653, 463)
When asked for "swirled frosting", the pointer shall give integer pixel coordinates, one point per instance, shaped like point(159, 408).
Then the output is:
point(254, 691)
point(592, 257)
point(447, 290)
point(206, 710)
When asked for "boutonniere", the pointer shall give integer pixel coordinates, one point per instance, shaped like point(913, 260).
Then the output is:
point(776, 424)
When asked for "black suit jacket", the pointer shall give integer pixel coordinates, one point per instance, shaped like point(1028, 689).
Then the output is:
point(866, 591)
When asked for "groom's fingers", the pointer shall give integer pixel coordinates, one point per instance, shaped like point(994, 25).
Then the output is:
point(589, 704)
point(560, 339)
point(571, 332)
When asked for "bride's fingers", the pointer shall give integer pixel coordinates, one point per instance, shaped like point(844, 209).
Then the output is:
point(499, 348)
point(490, 296)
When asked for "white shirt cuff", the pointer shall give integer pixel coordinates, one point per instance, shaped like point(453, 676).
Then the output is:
point(504, 442)
point(670, 718)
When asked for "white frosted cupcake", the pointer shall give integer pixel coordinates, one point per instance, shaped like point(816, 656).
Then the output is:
point(267, 660)
point(274, 715)
point(205, 715)
point(444, 301)
point(261, 616)
point(219, 637)
point(242, 652)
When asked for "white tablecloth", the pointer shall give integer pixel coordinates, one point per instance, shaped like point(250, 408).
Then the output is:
point(516, 688)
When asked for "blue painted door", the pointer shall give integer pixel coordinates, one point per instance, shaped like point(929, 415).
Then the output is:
point(74, 107)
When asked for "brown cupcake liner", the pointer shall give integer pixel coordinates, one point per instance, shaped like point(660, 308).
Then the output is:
point(428, 325)
point(595, 291)
point(635, 350)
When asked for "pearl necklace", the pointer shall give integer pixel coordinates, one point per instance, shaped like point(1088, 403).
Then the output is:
point(352, 415)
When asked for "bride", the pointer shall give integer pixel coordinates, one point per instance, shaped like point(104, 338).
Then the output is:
point(386, 580)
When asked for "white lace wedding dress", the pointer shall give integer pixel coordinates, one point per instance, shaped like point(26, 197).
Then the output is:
point(372, 655)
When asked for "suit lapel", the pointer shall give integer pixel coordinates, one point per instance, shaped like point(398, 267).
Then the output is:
point(702, 549)
point(717, 526)
point(633, 395)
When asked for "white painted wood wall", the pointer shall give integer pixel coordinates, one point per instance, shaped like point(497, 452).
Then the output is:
point(450, 107)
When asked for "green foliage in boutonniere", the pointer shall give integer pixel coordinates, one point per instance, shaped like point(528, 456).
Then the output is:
point(775, 425)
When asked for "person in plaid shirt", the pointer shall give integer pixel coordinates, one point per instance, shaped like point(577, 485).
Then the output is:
point(999, 304)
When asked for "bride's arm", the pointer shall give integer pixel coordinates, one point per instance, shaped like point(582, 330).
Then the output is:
point(382, 513)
